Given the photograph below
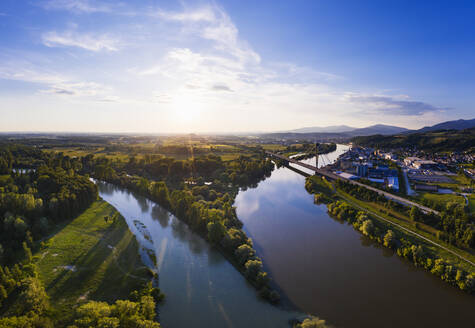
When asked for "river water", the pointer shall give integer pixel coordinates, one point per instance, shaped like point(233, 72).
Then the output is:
point(326, 268)
point(322, 266)
point(202, 288)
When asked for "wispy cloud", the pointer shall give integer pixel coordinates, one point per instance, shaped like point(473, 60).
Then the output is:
point(78, 6)
point(212, 23)
point(221, 87)
point(392, 106)
point(190, 61)
point(79, 89)
point(52, 83)
point(85, 41)
point(17, 72)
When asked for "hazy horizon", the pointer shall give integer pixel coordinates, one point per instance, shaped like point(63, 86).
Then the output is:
point(232, 67)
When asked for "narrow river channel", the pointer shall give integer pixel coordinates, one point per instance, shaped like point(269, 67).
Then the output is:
point(322, 266)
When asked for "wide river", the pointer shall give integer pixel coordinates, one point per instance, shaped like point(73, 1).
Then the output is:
point(322, 266)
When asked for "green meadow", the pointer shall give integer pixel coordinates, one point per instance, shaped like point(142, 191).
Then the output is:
point(91, 259)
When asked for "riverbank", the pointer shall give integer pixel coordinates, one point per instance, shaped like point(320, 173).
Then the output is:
point(330, 270)
point(218, 225)
point(437, 260)
point(194, 275)
point(90, 258)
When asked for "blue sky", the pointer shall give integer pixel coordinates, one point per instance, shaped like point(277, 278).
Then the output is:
point(218, 66)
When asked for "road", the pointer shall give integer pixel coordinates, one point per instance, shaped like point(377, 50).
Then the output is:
point(409, 191)
point(334, 176)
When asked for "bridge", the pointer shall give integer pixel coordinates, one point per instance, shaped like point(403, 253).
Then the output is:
point(330, 175)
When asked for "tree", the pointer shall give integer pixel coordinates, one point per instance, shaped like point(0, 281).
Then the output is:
point(415, 213)
point(160, 194)
point(389, 239)
point(3, 293)
point(253, 267)
point(27, 250)
point(244, 253)
point(216, 231)
point(89, 314)
point(262, 279)
point(312, 322)
point(108, 322)
point(417, 253)
point(147, 307)
point(33, 297)
point(367, 227)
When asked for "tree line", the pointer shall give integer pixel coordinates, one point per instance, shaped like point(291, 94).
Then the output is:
point(454, 225)
point(405, 248)
point(208, 209)
point(32, 203)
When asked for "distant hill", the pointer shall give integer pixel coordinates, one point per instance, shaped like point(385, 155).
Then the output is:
point(431, 141)
point(450, 125)
point(324, 129)
point(380, 129)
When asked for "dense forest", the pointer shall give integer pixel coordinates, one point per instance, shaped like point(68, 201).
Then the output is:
point(32, 201)
point(38, 192)
point(436, 141)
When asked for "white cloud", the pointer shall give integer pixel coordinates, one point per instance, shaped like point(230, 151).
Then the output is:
point(84, 41)
point(192, 70)
point(214, 24)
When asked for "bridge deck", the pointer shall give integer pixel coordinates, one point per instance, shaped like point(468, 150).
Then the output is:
point(333, 176)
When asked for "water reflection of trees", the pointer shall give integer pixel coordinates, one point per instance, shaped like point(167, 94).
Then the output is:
point(105, 188)
point(178, 229)
point(367, 242)
point(143, 203)
point(182, 232)
point(161, 215)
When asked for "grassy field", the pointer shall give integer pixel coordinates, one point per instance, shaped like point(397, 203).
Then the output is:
point(91, 259)
point(441, 199)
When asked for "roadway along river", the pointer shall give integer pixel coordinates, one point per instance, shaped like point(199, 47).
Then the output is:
point(326, 268)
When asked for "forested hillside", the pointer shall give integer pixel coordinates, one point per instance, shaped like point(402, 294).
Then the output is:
point(451, 140)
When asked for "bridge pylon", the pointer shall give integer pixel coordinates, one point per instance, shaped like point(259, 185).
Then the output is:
point(316, 155)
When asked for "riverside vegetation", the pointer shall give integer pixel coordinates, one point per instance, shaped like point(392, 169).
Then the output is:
point(199, 191)
point(52, 207)
point(73, 249)
point(457, 228)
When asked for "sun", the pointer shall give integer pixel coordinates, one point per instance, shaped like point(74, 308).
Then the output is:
point(186, 107)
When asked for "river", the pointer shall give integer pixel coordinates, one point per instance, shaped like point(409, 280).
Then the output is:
point(326, 268)
point(202, 288)
point(322, 266)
